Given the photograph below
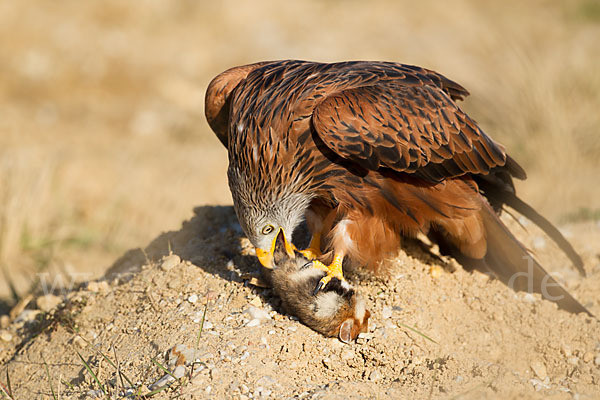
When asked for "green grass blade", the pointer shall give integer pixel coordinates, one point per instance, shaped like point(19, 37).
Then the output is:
point(49, 379)
point(202, 324)
point(417, 332)
point(118, 368)
point(10, 393)
point(67, 384)
point(92, 373)
point(163, 368)
point(156, 391)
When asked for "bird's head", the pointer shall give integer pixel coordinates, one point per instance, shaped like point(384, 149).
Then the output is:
point(263, 213)
point(263, 224)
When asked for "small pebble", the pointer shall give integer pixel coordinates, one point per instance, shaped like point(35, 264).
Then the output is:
point(573, 360)
point(539, 385)
point(386, 312)
point(529, 298)
point(375, 376)
point(179, 371)
point(193, 298)
point(587, 357)
point(539, 369)
point(597, 360)
point(257, 313)
point(253, 322)
point(96, 287)
point(6, 336)
point(48, 302)
point(169, 262)
point(4, 321)
point(347, 354)
point(256, 302)
point(266, 380)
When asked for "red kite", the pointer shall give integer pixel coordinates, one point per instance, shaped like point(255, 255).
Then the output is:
point(368, 152)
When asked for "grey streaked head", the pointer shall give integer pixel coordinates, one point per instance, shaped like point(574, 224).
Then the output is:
point(264, 209)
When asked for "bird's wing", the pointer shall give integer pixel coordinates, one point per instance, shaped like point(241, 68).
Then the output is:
point(218, 97)
point(413, 128)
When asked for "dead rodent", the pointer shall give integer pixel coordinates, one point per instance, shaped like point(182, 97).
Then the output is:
point(336, 310)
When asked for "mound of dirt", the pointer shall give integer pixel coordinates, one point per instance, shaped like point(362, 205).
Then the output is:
point(450, 335)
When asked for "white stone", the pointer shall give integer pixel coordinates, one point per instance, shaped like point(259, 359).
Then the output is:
point(375, 376)
point(6, 336)
point(169, 262)
point(539, 369)
point(179, 371)
point(253, 322)
point(257, 313)
point(386, 312)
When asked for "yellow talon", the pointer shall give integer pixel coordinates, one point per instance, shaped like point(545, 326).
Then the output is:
point(334, 270)
point(314, 248)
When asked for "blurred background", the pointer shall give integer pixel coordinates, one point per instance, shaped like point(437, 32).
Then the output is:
point(104, 145)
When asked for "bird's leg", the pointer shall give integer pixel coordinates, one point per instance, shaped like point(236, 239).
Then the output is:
point(334, 270)
point(314, 248)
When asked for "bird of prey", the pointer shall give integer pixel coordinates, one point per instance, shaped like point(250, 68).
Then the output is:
point(368, 152)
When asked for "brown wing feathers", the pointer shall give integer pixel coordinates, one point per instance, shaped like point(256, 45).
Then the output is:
point(407, 129)
point(383, 141)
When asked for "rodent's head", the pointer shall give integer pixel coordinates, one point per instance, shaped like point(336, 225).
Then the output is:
point(336, 310)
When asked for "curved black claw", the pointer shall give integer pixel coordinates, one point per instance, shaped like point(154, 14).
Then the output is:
point(319, 286)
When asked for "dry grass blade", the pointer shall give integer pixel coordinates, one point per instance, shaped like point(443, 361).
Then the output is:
point(49, 378)
point(417, 332)
point(86, 365)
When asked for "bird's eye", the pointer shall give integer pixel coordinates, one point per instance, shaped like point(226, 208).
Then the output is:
point(267, 229)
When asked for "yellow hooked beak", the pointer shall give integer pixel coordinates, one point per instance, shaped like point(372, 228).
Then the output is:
point(266, 257)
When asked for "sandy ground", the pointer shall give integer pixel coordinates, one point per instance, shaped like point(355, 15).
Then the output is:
point(459, 335)
point(104, 144)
